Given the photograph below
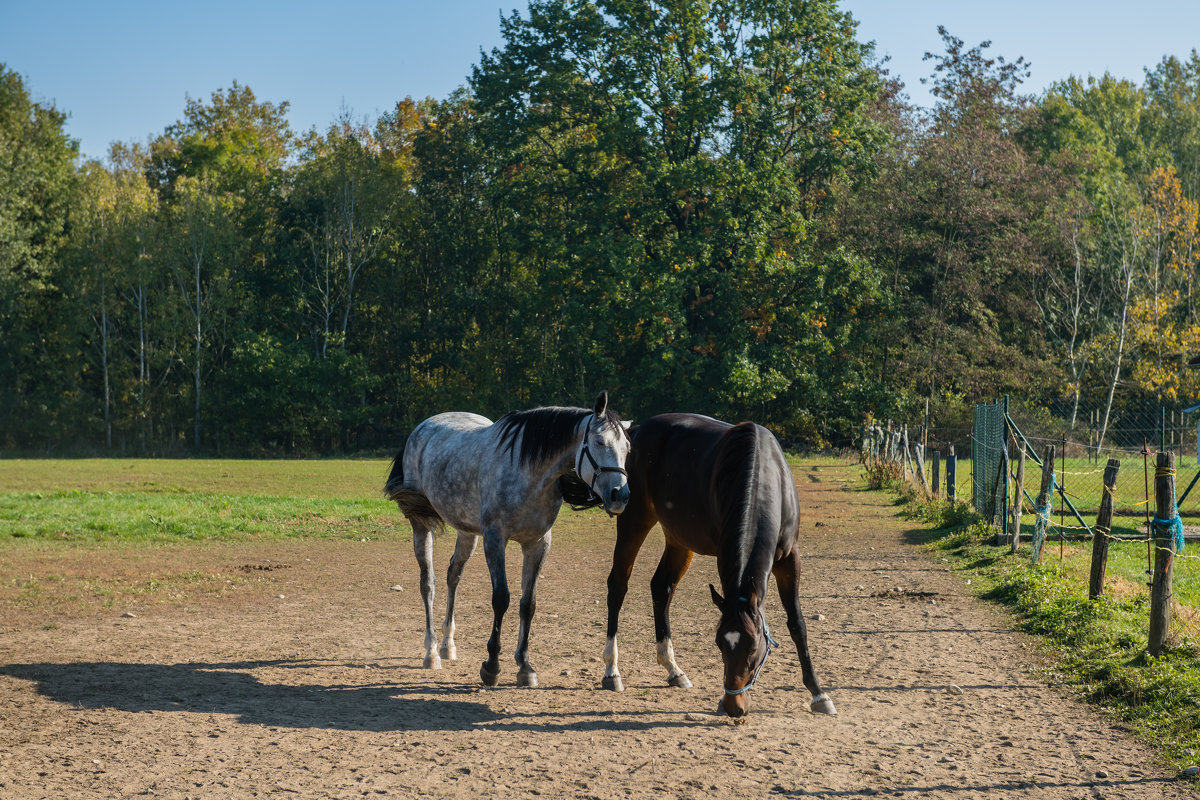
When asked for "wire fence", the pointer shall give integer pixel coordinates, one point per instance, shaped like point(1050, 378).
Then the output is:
point(1085, 435)
point(1084, 439)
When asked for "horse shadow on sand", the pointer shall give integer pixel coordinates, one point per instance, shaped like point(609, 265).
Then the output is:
point(231, 688)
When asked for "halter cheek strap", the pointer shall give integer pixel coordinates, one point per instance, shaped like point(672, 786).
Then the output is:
point(770, 643)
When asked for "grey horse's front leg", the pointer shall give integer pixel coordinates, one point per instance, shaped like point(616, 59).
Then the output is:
point(463, 549)
point(534, 556)
point(493, 550)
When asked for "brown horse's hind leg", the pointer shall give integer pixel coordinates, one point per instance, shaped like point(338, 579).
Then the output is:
point(671, 567)
point(632, 527)
point(787, 573)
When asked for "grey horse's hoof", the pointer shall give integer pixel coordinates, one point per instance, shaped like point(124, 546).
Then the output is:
point(432, 662)
point(449, 653)
point(679, 681)
point(821, 704)
point(527, 678)
point(489, 677)
point(612, 682)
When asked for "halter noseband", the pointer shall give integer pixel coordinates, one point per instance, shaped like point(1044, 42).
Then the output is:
point(770, 643)
point(597, 469)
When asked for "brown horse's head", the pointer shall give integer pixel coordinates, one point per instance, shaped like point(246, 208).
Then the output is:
point(744, 643)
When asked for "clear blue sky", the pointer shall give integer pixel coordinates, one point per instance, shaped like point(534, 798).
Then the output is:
point(122, 68)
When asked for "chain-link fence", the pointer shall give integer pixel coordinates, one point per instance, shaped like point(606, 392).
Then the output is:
point(1084, 438)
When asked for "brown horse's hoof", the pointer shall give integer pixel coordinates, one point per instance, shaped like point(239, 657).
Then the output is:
point(489, 677)
point(527, 678)
point(613, 683)
point(679, 681)
point(821, 704)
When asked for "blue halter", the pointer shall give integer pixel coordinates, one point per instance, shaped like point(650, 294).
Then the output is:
point(770, 643)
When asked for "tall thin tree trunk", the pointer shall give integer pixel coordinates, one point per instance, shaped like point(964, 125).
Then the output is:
point(104, 357)
point(1112, 386)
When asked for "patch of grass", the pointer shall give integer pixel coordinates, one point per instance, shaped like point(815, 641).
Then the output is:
point(150, 501)
point(1098, 646)
point(333, 479)
point(78, 516)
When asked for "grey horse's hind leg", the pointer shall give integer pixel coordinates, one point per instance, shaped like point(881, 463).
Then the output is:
point(423, 547)
point(787, 573)
point(463, 548)
point(493, 551)
point(534, 556)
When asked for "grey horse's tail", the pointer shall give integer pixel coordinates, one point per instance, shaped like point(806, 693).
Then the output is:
point(413, 503)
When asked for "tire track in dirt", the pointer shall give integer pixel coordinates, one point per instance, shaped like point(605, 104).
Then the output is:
point(319, 693)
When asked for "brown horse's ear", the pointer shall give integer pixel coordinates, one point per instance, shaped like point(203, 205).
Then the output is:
point(601, 404)
point(718, 601)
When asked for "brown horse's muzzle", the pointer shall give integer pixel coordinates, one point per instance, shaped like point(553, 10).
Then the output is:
point(734, 705)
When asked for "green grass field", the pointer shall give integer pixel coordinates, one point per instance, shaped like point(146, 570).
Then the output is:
point(1083, 483)
point(156, 501)
point(167, 500)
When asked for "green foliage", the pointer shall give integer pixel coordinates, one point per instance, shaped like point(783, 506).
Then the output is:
point(665, 163)
point(36, 182)
point(285, 399)
point(942, 514)
point(719, 206)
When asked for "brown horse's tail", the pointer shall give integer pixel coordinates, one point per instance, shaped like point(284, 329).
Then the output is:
point(413, 502)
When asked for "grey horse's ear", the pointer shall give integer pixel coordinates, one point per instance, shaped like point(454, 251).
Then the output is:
point(718, 601)
point(601, 404)
point(627, 424)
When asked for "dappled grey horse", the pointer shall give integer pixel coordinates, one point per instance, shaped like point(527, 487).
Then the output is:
point(500, 481)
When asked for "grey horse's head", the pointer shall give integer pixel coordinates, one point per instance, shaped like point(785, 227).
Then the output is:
point(600, 462)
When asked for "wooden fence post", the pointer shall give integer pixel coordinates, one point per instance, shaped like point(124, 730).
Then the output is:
point(999, 496)
point(1103, 528)
point(1164, 552)
point(1044, 500)
point(936, 466)
point(952, 476)
point(1014, 539)
point(919, 466)
point(904, 455)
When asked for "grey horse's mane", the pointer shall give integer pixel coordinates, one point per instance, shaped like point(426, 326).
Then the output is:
point(546, 431)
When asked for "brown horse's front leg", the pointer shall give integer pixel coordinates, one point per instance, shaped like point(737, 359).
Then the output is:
point(632, 527)
point(671, 567)
point(787, 573)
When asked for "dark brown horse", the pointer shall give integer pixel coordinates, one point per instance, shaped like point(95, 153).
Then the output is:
point(720, 490)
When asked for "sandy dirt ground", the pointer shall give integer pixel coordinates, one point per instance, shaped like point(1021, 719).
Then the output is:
point(302, 679)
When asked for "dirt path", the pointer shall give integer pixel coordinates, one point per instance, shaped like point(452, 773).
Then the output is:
point(319, 693)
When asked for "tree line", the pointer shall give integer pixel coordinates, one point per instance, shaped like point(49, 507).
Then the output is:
point(724, 207)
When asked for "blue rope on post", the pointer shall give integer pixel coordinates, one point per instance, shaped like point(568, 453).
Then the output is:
point(1043, 521)
point(1173, 526)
